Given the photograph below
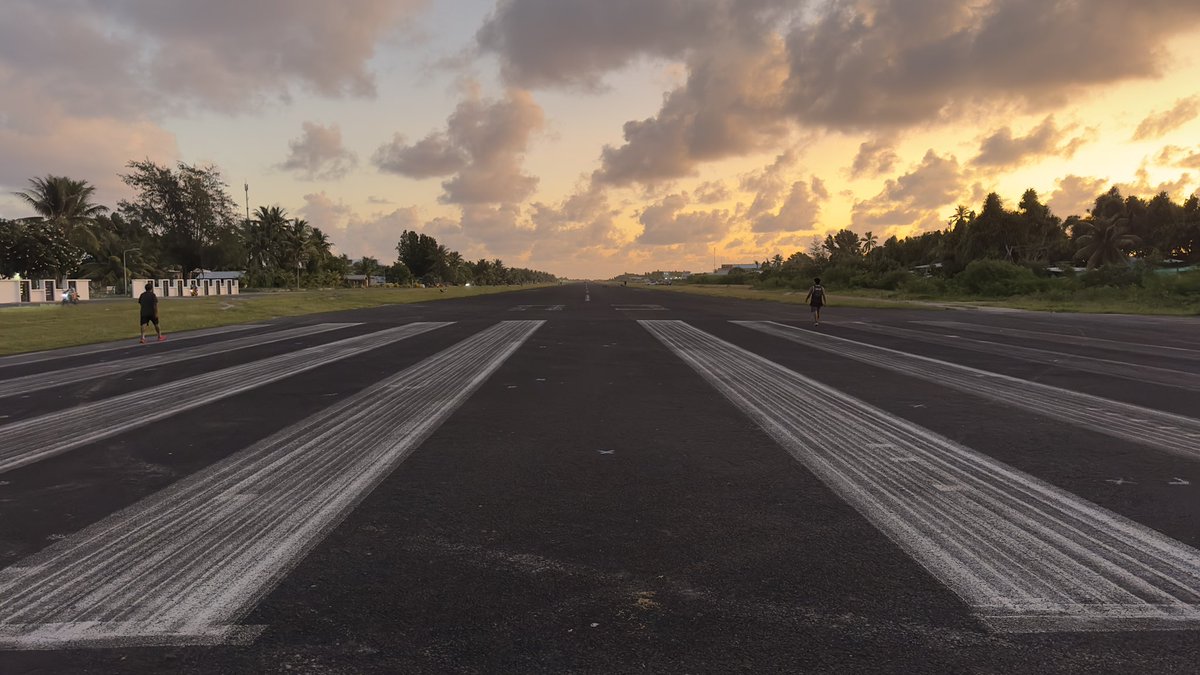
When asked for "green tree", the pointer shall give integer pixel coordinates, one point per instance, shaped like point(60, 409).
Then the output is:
point(66, 205)
point(187, 207)
point(1105, 242)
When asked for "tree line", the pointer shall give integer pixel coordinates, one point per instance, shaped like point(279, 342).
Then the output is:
point(1119, 239)
point(182, 219)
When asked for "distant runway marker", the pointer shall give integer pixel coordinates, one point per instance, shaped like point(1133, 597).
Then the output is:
point(1023, 554)
point(639, 308)
point(54, 433)
point(1164, 431)
point(183, 566)
point(58, 378)
point(535, 308)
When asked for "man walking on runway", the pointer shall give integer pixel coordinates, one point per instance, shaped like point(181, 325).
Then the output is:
point(816, 300)
point(149, 302)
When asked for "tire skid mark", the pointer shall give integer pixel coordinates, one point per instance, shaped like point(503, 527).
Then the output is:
point(56, 378)
point(1024, 555)
point(180, 567)
point(54, 433)
point(1164, 431)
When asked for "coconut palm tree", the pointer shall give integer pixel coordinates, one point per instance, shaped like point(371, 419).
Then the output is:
point(869, 241)
point(1104, 241)
point(65, 204)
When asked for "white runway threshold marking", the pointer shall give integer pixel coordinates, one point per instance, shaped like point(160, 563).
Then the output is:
point(1123, 369)
point(1076, 340)
point(1160, 430)
point(37, 357)
point(181, 567)
point(1023, 554)
point(57, 378)
point(54, 433)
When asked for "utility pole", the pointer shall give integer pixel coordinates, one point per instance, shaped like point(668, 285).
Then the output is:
point(247, 186)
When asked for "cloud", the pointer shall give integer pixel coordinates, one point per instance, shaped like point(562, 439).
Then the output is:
point(871, 63)
point(727, 108)
point(1002, 149)
point(875, 157)
point(1159, 124)
point(665, 223)
point(799, 211)
point(913, 198)
point(147, 55)
point(712, 192)
point(1173, 155)
point(319, 154)
point(432, 156)
point(1075, 195)
point(483, 147)
point(574, 43)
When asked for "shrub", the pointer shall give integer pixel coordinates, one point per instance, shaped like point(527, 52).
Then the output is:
point(997, 278)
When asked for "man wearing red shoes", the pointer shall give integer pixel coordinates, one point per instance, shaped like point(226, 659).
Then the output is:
point(149, 302)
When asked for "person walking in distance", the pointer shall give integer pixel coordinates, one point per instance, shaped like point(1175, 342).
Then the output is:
point(149, 302)
point(816, 300)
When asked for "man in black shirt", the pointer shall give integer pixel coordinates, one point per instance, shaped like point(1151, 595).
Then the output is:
point(149, 303)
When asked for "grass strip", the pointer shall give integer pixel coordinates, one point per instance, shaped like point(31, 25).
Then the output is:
point(27, 328)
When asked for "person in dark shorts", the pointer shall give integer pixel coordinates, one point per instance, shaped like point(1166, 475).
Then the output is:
point(816, 300)
point(149, 302)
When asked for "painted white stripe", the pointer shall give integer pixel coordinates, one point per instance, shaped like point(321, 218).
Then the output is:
point(1078, 340)
point(57, 378)
point(52, 434)
point(182, 566)
point(1023, 554)
point(35, 357)
point(1107, 367)
point(1160, 430)
point(639, 308)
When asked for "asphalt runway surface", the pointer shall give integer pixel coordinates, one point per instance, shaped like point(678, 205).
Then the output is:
point(608, 479)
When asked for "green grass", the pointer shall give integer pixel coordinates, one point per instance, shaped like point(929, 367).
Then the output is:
point(50, 326)
point(1093, 301)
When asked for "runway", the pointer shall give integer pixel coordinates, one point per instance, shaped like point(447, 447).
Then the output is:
point(607, 479)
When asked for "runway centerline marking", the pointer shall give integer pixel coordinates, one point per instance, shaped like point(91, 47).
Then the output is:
point(1160, 430)
point(54, 433)
point(56, 378)
point(182, 566)
point(1024, 555)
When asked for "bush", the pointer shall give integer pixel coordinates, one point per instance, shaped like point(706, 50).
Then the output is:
point(997, 278)
point(923, 286)
point(1112, 275)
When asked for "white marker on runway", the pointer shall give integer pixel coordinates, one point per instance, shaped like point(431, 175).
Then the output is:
point(1160, 430)
point(37, 357)
point(54, 433)
point(1129, 371)
point(1076, 340)
point(1023, 554)
point(182, 566)
point(57, 378)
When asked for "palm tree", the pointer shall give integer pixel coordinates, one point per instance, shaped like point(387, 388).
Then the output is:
point(869, 241)
point(961, 217)
point(67, 205)
point(1105, 241)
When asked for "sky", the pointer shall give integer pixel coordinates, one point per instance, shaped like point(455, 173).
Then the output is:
point(593, 137)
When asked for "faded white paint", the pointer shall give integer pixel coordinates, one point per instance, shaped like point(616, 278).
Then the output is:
point(1108, 367)
point(1160, 430)
point(57, 378)
point(35, 439)
point(37, 357)
point(1023, 554)
point(181, 567)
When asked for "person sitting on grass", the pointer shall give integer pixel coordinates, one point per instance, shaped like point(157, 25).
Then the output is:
point(149, 302)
